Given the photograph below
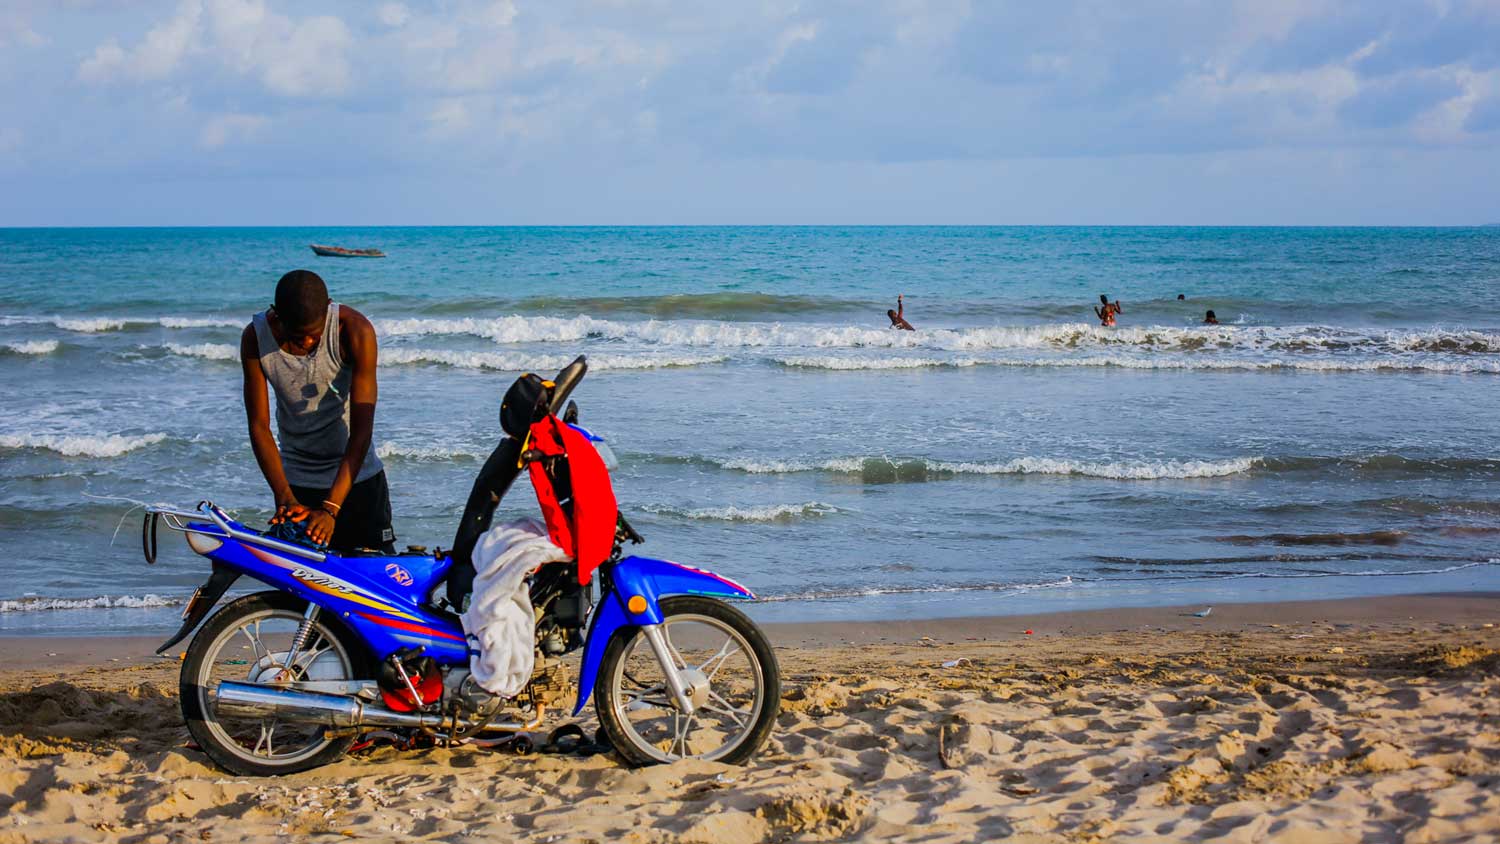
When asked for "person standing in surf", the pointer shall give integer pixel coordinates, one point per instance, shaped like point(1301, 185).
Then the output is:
point(1108, 312)
point(319, 358)
point(897, 319)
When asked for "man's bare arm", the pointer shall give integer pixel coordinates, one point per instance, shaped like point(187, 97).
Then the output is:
point(361, 350)
point(258, 417)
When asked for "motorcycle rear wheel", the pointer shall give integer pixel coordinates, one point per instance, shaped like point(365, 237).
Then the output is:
point(735, 680)
point(248, 641)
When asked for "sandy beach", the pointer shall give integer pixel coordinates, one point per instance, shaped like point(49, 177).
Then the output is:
point(1359, 720)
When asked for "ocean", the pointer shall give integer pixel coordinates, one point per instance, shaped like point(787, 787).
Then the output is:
point(1333, 436)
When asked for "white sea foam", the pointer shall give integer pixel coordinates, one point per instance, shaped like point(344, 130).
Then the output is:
point(409, 451)
point(707, 333)
point(1205, 362)
point(33, 347)
point(35, 604)
point(96, 324)
point(211, 351)
point(517, 362)
point(501, 361)
point(202, 322)
point(840, 592)
point(113, 445)
point(760, 513)
point(875, 363)
point(1140, 470)
point(916, 469)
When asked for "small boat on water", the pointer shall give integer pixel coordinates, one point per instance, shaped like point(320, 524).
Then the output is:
point(341, 252)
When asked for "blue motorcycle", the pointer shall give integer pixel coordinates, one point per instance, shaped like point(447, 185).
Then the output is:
point(287, 679)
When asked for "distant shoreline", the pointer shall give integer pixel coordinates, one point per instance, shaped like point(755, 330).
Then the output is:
point(36, 652)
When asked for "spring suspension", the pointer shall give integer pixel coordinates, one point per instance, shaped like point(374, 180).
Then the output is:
point(299, 641)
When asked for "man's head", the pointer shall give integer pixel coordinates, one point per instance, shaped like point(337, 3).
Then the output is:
point(301, 307)
point(892, 314)
point(1103, 299)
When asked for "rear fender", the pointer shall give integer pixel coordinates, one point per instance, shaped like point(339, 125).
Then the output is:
point(651, 580)
point(202, 601)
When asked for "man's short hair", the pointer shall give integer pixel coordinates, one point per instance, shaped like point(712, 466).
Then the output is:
point(301, 298)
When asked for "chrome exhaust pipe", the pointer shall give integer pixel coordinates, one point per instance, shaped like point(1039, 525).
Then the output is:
point(251, 700)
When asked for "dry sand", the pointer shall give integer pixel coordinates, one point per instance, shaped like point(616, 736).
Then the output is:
point(1365, 720)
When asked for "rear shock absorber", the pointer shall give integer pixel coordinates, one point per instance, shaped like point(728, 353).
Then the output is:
point(299, 641)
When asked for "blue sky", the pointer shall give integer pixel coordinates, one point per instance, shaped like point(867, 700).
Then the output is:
point(224, 112)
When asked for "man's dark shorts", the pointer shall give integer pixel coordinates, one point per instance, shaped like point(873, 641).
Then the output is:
point(365, 519)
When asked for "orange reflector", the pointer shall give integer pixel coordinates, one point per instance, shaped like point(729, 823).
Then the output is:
point(636, 604)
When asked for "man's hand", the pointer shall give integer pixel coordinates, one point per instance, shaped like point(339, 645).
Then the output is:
point(320, 526)
point(290, 512)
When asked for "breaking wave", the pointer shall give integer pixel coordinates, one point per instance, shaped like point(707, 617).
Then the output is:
point(32, 347)
point(896, 470)
point(387, 450)
point(835, 362)
point(1061, 336)
point(916, 469)
point(37, 604)
point(544, 363)
point(113, 445)
point(843, 592)
point(211, 351)
point(761, 513)
point(96, 324)
point(502, 361)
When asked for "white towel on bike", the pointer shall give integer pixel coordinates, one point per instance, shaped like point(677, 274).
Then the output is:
point(499, 622)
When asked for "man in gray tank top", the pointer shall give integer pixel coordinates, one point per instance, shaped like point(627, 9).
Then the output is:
point(319, 360)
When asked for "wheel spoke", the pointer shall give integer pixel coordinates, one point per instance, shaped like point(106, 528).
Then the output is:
point(725, 708)
point(267, 729)
point(666, 634)
point(721, 657)
point(310, 655)
point(686, 722)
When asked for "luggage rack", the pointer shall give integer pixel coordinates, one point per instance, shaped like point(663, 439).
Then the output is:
point(189, 522)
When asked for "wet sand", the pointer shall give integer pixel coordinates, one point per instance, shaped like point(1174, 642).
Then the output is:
point(1360, 720)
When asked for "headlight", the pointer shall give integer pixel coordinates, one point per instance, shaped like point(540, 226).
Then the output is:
point(203, 543)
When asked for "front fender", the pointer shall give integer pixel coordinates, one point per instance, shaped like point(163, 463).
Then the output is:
point(652, 580)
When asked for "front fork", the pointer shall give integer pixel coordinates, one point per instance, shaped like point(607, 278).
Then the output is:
point(656, 637)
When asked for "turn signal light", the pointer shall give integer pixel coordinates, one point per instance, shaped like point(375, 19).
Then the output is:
point(636, 604)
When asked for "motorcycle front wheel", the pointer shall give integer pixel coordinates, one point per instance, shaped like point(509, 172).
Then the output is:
point(728, 668)
point(248, 641)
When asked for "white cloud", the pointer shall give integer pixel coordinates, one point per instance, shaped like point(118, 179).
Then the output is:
point(16, 29)
point(230, 128)
point(393, 14)
point(310, 60)
point(497, 14)
point(449, 117)
point(156, 57)
point(290, 57)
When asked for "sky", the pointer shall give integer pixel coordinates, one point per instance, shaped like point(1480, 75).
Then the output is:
point(262, 112)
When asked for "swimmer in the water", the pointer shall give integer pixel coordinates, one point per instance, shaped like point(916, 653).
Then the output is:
point(1109, 310)
point(1210, 319)
point(897, 320)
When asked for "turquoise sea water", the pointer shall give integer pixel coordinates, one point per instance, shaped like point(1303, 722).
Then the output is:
point(1334, 436)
